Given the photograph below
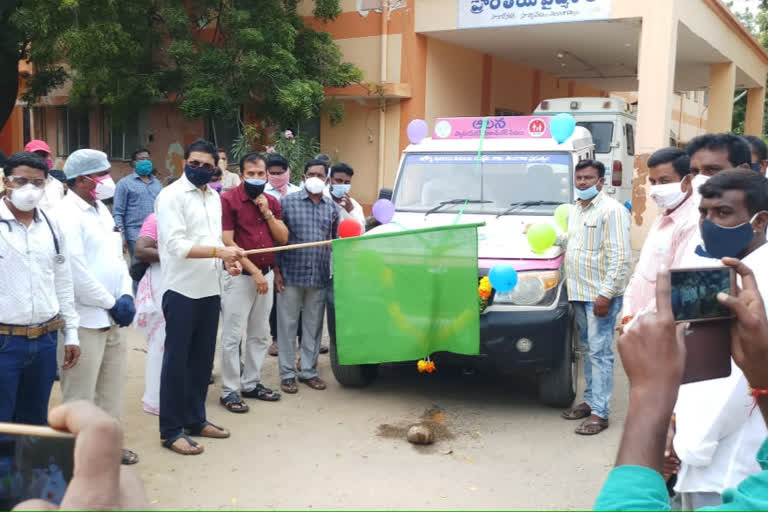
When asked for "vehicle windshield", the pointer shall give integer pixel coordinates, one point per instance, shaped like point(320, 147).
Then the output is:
point(602, 134)
point(490, 185)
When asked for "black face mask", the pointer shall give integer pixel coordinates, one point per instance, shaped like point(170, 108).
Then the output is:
point(254, 187)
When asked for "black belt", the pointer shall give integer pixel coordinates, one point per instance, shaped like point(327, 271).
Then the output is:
point(264, 270)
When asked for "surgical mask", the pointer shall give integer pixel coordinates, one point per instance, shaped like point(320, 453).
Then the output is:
point(756, 167)
point(668, 196)
point(105, 187)
point(216, 185)
point(697, 182)
point(254, 187)
point(587, 194)
point(27, 197)
point(722, 242)
point(314, 185)
point(144, 167)
point(198, 177)
point(340, 191)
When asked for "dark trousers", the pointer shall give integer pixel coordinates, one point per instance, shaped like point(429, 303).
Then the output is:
point(330, 312)
point(27, 370)
point(273, 321)
point(190, 343)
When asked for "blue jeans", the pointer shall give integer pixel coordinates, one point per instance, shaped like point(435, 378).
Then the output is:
point(27, 370)
point(596, 335)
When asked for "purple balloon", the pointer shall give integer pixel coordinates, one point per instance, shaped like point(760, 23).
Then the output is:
point(384, 211)
point(417, 131)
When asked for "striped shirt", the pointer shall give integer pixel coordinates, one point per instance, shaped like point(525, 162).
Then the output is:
point(598, 253)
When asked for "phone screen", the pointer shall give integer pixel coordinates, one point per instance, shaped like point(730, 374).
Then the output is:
point(694, 293)
point(33, 467)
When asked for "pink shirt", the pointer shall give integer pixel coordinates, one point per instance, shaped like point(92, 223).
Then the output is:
point(149, 228)
point(666, 244)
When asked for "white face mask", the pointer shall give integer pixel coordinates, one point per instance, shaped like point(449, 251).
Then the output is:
point(668, 195)
point(27, 197)
point(314, 185)
point(105, 188)
point(698, 181)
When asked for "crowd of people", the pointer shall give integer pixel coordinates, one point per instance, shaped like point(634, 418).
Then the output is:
point(64, 254)
point(189, 245)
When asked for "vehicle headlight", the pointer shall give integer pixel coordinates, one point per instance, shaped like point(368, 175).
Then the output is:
point(533, 288)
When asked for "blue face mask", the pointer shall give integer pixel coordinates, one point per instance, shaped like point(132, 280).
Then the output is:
point(198, 177)
point(339, 191)
point(254, 187)
point(721, 242)
point(587, 194)
point(144, 167)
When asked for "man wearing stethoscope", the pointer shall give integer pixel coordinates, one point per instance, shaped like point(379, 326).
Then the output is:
point(103, 288)
point(36, 295)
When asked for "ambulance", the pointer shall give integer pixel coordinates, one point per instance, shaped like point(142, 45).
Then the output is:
point(512, 175)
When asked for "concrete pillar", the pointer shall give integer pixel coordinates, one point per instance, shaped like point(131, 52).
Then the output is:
point(722, 86)
point(656, 77)
point(753, 125)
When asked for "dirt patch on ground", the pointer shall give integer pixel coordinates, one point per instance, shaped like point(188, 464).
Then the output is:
point(434, 418)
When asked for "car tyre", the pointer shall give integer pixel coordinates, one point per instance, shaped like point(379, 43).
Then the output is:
point(352, 375)
point(557, 387)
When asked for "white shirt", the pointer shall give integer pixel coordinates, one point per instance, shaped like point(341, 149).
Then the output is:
point(187, 216)
point(229, 180)
point(269, 189)
point(99, 271)
point(33, 287)
point(54, 192)
point(718, 433)
point(356, 213)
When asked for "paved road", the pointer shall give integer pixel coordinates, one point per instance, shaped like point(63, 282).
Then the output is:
point(345, 449)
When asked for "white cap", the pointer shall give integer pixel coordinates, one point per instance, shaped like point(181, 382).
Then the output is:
point(84, 162)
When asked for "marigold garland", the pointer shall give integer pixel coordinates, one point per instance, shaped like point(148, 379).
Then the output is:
point(425, 365)
point(484, 291)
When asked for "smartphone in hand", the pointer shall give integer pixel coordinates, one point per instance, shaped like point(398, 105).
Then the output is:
point(708, 337)
point(35, 463)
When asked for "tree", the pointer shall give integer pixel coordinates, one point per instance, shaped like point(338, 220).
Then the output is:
point(757, 25)
point(208, 57)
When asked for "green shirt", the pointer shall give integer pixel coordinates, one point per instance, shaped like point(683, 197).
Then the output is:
point(641, 488)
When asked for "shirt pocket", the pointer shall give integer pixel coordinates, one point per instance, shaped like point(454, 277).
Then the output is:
point(591, 239)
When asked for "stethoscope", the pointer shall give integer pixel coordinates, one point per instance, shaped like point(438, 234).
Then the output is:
point(59, 258)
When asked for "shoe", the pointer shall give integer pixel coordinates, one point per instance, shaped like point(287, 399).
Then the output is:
point(323, 349)
point(273, 349)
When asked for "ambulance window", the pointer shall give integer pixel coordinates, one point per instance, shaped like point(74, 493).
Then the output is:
point(602, 134)
point(630, 139)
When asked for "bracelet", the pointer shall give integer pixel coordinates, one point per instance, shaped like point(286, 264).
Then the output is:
point(213, 254)
point(271, 216)
point(756, 393)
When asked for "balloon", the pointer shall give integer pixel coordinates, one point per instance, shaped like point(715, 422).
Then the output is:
point(503, 278)
point(561, 216)
point(417, 131)
point(383, 211)
point(541, 237)
point(349, 228)
point(561, 127)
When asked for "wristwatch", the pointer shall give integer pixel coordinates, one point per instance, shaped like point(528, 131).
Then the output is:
point(270, 216)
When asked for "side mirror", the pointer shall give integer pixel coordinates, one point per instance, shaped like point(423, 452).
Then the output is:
point(385, 193)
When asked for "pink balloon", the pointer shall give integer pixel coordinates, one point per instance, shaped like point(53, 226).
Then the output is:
point(384, 211)
point(417, 131)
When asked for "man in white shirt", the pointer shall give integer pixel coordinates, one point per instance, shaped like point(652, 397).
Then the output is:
point(191, 249)
point(229, 180)
point(716, 435)
point(37, 295)
point(54, 190)
point(102, 285)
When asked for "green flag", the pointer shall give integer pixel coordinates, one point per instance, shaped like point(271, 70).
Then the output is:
point(403, 296)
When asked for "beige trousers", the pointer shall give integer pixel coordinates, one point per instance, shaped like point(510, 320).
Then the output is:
point(99, 376)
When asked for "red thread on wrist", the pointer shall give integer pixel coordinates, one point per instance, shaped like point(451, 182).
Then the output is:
point(757, 393)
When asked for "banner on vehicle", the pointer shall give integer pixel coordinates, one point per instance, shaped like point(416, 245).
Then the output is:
point(405, 295)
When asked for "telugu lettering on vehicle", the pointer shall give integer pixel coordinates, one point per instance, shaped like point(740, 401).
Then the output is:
point(496, 13)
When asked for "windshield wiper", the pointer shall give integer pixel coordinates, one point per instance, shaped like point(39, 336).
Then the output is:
point(454, 201)
point(526, 204)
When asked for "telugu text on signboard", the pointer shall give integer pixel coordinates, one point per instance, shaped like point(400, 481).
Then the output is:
point(498, 13)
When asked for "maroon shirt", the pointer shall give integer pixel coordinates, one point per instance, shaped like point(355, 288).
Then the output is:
point(241, 215)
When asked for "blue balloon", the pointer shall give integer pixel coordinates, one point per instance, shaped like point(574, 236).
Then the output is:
point(503, 278)
point(561, 127)
point(628, 205)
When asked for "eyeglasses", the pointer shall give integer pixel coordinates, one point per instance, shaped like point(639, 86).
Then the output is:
point(21, 181)
point(196, 164)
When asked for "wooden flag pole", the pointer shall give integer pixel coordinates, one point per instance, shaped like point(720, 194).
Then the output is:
point(288, 247)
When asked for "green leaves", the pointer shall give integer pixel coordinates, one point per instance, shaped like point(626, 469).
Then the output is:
point(211, 56)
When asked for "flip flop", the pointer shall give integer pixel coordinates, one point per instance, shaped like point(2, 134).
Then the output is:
point(169, 443)
point(585, 430)
point(261, 392)
point(314, 383)
point(198, 432)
